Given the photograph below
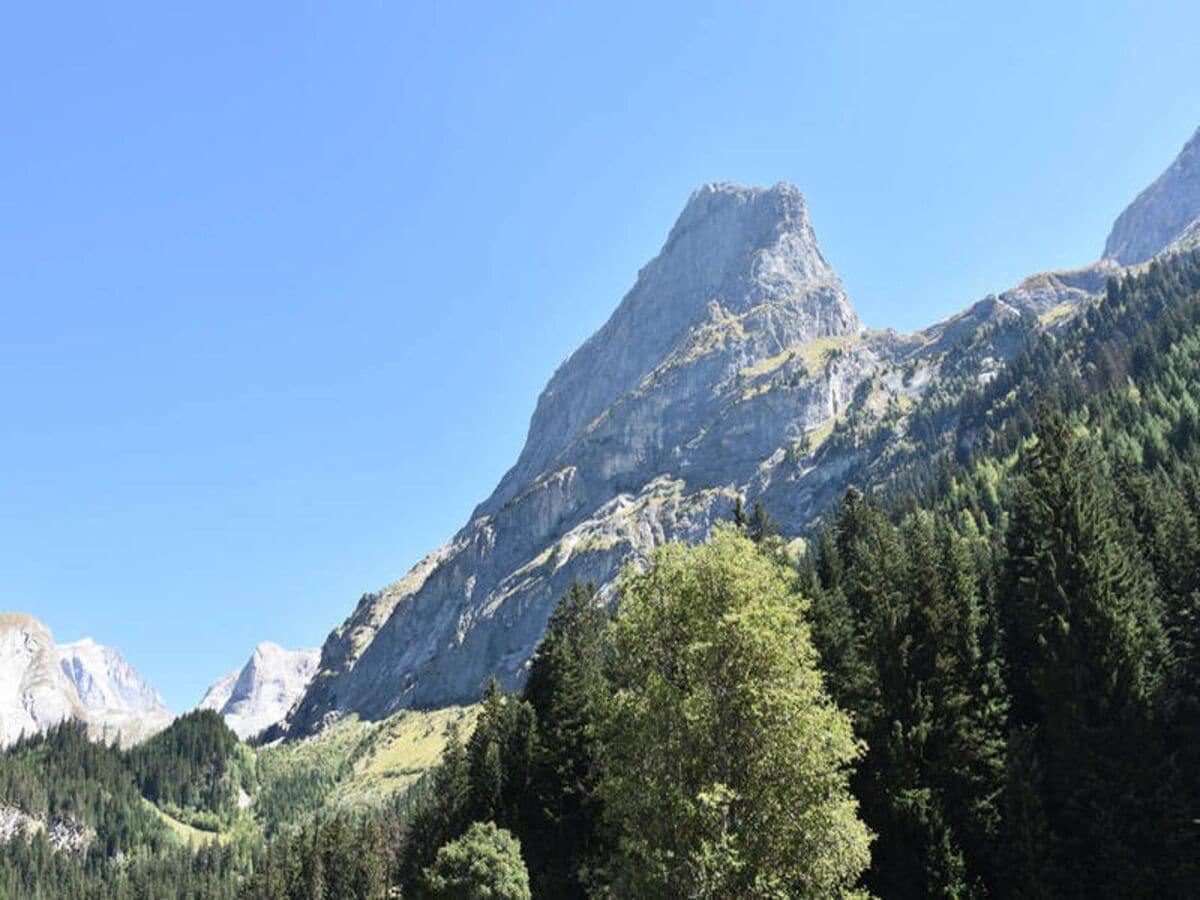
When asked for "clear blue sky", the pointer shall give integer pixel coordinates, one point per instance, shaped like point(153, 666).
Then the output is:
point(281, 284)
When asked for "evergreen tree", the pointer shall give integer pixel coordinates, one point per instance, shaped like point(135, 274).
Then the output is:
point(899, 614)
point(313, 867)
point(500, 756)
point(440, 815)
point(1082, 657)
point(740, 519)
point(761, 527)
point(566, 689)
point(836, 630)
point(369, 878)
point(489, 779)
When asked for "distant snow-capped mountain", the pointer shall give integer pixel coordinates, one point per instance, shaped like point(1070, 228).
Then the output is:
point(42, 684)
point(118, 699)
point(104, 680)
point(34, 692)
point(261, 692)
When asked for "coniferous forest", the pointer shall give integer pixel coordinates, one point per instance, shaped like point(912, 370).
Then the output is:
point(981, 678)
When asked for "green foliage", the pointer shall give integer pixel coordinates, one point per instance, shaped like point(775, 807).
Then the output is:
point(440, 814)
point(1085, 652)
point(484, 864)
point(351, 765)
point(901, 624)
point(566, 689)
point(488, 779)
point(296, 779)
point(724, 765)
point(63, 775)
point(334, 858)
point(196, 769)
point(1083, 610)
point(32, 870)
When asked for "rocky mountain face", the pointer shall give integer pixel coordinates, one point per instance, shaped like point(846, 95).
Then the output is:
point(1164, 215)
point(34, 692)
point(730, 369)
point(735, 339)
point(117, 699)
point(261, 692)
point(740, 262)
point(42, 684)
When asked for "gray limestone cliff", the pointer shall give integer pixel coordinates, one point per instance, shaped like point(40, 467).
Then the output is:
point(733, 252)
point(1165, 214)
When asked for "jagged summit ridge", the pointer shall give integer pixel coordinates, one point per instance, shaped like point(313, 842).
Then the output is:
point(1162, 215)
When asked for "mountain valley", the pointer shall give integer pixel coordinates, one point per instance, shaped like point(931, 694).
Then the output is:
point(981, 536)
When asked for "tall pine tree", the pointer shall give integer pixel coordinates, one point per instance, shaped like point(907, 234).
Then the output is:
point(1083, 655)
point(566, 688)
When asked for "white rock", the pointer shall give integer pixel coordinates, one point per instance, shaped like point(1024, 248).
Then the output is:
point(42, 684)
point(63, 834)
point(34, 692)
point(261, 692)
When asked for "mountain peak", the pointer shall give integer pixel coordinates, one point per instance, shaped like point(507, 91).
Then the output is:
point(725, 232)
point(740, 248)
point(1162, 215)
point(103, 679)
point(259, 693)
point(42, 683)
point(715, 358)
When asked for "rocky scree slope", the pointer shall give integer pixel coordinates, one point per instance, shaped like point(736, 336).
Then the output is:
point(724, 372)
